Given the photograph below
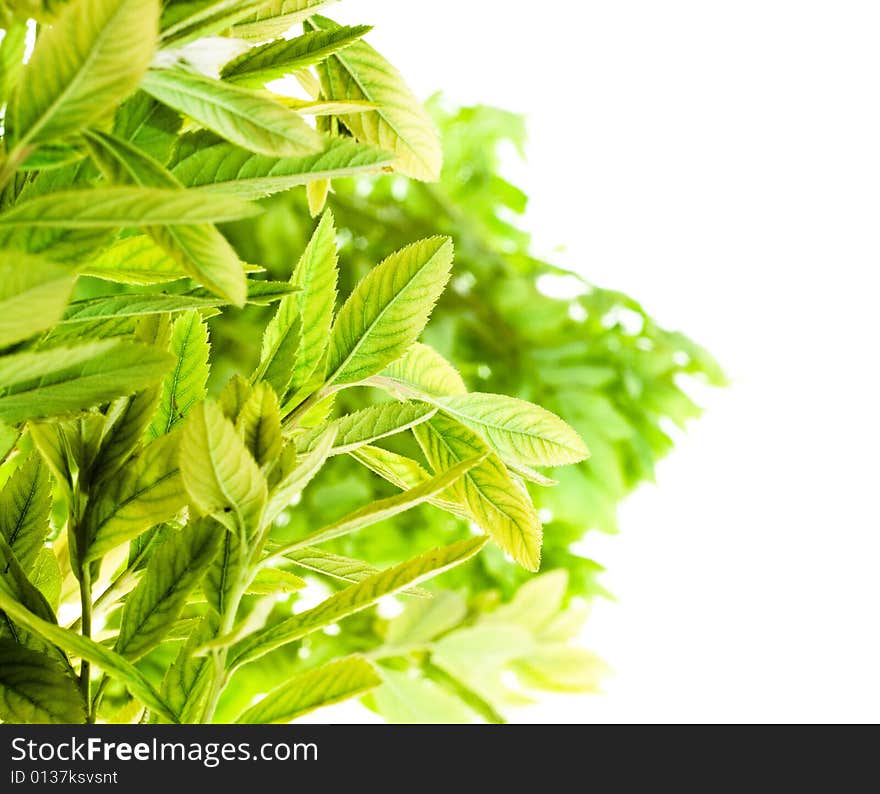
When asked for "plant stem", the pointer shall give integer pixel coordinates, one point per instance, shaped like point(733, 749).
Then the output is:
point(85, 596)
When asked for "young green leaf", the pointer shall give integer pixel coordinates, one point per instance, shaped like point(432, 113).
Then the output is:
point(230, 170)
point(281, 57)
point(25, 502)
point(331, 683)
point(185, 385)
point(15, 580)
point(200, 250)
point(355, 598)
point(422, 368)
point(67, 380)
point(368, 425)
point(315, 276)
point(135, 260)
point(224, 576)
point(33, 294)
point(36, 689)
point(111, 663)
point(498, 505)
point(405, 700)
point(388, 309)
point(249, 119)
point(12, 49)
point(174, 570)
point(259, 424)
point(185, 686)
point(275, 18)
point(148, 492)
point(422, 621)
point(344, 569)
point(47, 577)
point(274, 581)
point(185, 22)
point(295, 474)
point(220, 475)
point(518, 431)
point(382, 509)
point(399, 124)
point(83, 65)
point(110, 207)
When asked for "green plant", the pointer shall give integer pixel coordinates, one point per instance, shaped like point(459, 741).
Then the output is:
point(155, 508)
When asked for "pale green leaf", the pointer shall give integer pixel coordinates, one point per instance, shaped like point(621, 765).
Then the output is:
point(388, 309)
point(259, 424)
point(474, 650)
point(223, 577)
point(422, 368)
point(12, 50)
point(274, 581)
point(281, 57)
point(230, 170)
point(562, 668)
point(187, 21)
point(247, 118)
point(535, 604)
point(135, 260)
point(185, 385)
point(25, 502)
point(275, 18)
point(200, 250)
point(399, 124)
point(110, 662)
point(83, 65)
point(422, 621)
point(518, 431)
point(369, 424)
point(405, 699)
point(220, 475)
point(186, 684)
point(148, 492)
point(67, 380)
point(174, 570)
point(33, 294)
point(47, 577)
point(321, 686)
point(344, 569)
point(382, 509)
point(109, 207)
point(36, 689)
point(500, 506)
point(356, 598)
point(293, 478)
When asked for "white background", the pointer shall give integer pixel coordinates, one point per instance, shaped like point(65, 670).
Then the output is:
point(720, 161)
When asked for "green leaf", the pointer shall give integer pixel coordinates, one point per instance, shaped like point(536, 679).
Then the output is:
point(15, 580)
point(498, 505)
point(33, 294)
point(185, 686)
point(273, 581)
point(295, 477)
point(230, 170)
point(12, 49)
point(276, 59)
point(25, 503)
point(259, 424)
point(135, 260)
point(315, 277)
point(36, 689)
point(219, 473)
point(185, 385)
point(403, 699)
point(111, 663)
point(422, 368)
point(536, 603)
point(468, 651)
point(388, 309)
point(174, 570)
point(67, 380)
point(109, 207)
point(224, 576)
point(383, 509)
point(83, 66)
point(344, 569)
point(249, 119)
point(422, 621)
point(290, 349)
point(331, 683)
point(148, 492)
point(275, 18)
point(200, 250)
point(369, 424)
point(356, 598)
point(184, 22)
point(399, 124)
point(562, 668)
point(518, 431)
point(47, 577)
